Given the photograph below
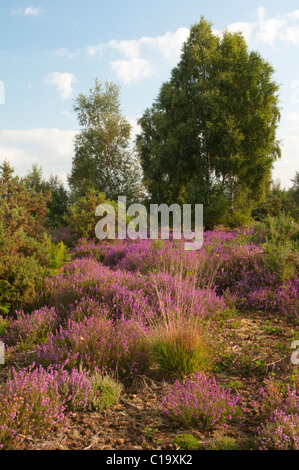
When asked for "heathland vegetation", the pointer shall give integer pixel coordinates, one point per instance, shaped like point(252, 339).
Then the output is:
point(140, 344)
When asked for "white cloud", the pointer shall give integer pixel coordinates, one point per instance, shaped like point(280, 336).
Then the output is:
point(65, 113)
point(293, 118)
point(291, 35)
point(93, 51)
point(169, 45)
point(65, 53)
point(29, 11)
point(141, 55)
point(294, 15)
point(33, 11)
point(130, 48)
point(269, 28)
point(140, 58)
point(63, 81)
point(52, 149)
point(284, 27)
point(245, 28)
point(132, 70)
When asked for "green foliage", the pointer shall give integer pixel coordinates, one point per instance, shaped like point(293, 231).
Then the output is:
point(294, 190)
point(106, 392)
point(279, 201)
point(180, 350)
point(280, 259)
point(187, 442)
point(26, 275)
point(239, 218)
point(58, 197)
point(103, 160)
point(210, 135)
point(3, 325)
point(277, 230)
point(5, 289)
point(81, 215)
point(58, 204)
point(222, 443)
point(24, 248)
point(102, 392)
point(58, 255)
point(277, 236)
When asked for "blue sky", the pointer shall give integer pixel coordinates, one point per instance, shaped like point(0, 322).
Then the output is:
point(50, 51)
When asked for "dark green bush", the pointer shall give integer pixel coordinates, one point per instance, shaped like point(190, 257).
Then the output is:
point(24, 250)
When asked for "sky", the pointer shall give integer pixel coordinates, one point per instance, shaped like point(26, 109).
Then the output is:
point(50, 51)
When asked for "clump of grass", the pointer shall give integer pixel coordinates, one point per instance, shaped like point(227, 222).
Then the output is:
point(106, 392)
point(187, 442)
point(83, 390)
point(178, 341)
point(180, 349)
point(223, 443)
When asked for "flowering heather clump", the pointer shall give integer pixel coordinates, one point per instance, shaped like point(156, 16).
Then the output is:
point(175, 294)
point(142, 256)
point(75, 388)
point(36, 401)
point(90, 249)
point(280, 432)
point(216, 239)
point(124, 293)
point(63, 234)
point(83, 390)
point(274, 396)
point(85, 278)
point(282, 299)
point(115, 255)
point(29, 329)
point(86, 307)
point(30, 405)
point(98, 343)
point(200, 402)
point(76, 341)
point(279, 407)
point(239, 264)
point(254, 285)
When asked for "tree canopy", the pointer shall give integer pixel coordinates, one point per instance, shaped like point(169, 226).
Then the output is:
point(24, 250)
point(210, 135)
point(53, 188)
point(104, 160)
